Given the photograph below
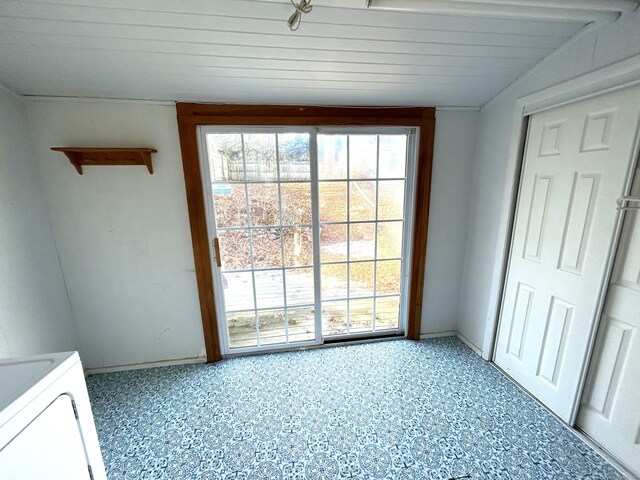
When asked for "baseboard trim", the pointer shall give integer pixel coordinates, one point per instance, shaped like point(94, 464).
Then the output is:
point(137, 366)
point(453, 333)
point(468, 343)
point(448, 333)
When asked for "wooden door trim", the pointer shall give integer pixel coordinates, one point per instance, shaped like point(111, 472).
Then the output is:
point(192, 115)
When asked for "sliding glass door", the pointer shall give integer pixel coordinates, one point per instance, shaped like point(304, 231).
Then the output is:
point(309, 233)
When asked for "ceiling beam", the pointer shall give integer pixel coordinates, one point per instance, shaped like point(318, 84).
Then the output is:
point(552, 10)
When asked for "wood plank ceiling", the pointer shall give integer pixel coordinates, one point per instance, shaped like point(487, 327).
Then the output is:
point(243, 51)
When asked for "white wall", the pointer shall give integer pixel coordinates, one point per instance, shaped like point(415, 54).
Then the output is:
point(595, 48)
point(123, 235)
point(35, 314)
point(455, 144)
point(124, 241)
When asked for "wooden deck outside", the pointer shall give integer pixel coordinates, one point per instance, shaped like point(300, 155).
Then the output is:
point(299, 320)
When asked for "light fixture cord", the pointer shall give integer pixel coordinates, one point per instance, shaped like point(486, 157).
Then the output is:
point(303, 7)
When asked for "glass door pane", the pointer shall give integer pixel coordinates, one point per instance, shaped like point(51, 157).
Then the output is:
point(362, 183)
point(261, 199)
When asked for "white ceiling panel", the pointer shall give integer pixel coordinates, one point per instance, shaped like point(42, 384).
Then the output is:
point(243, 51)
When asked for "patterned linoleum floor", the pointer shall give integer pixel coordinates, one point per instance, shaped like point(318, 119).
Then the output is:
point(395, 410)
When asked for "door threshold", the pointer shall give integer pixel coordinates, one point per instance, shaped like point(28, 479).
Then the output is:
point(335, 343)
point(350, 338)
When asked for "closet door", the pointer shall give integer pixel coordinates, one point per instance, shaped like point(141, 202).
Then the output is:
point(609, 412)
point(577, 162)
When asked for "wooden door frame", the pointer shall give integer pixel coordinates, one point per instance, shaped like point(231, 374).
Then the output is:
point(193, 115)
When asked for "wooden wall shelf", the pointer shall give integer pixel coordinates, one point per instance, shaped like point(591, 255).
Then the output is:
point(80, 156)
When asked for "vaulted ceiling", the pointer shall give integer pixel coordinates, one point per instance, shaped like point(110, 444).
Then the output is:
point(243, 51)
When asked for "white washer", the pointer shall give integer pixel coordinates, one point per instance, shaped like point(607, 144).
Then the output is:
point(46, 424)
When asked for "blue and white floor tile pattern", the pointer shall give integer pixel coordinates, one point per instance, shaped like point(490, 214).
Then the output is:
point(389, 410)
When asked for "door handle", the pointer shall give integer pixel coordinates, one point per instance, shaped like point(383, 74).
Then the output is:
point(622, 200)
point(216, 246)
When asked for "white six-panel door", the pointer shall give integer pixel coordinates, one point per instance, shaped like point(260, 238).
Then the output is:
point(577, 163)
point(610, 411)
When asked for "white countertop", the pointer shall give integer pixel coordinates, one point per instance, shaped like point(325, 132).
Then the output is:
point(21, 379)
